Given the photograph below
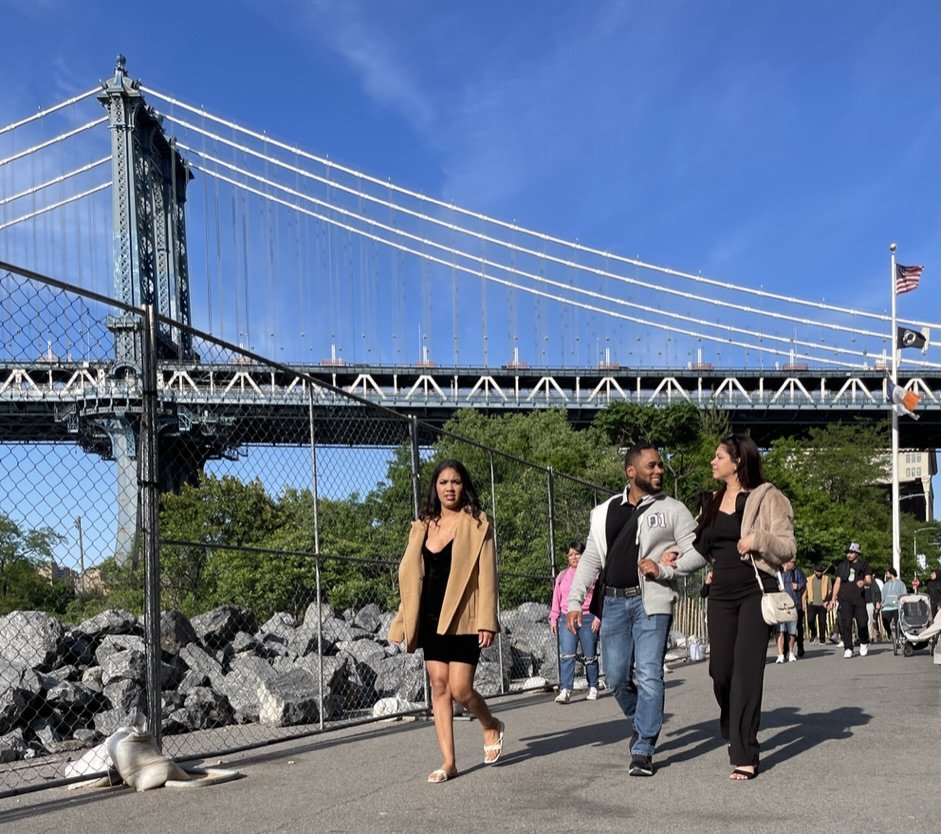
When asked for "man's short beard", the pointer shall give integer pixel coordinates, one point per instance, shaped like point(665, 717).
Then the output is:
point(645, 485)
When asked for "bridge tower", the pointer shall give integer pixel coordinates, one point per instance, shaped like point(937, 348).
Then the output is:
point(149, 180)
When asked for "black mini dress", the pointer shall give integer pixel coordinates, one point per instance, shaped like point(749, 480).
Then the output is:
point(445, 648)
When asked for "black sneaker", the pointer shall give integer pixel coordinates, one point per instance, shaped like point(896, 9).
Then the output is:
point(641, 766)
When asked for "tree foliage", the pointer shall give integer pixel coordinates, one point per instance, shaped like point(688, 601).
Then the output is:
point(27, 576)
point(227, 541)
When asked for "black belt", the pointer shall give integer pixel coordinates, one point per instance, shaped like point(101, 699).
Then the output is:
point(621, 592)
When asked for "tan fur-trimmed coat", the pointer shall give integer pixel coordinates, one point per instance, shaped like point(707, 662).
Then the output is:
point(470, 599)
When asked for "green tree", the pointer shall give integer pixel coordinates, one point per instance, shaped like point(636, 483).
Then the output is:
point(27, 578)
point(209, 520)
point(835, 480)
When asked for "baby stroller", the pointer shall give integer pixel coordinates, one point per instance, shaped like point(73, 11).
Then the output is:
point(914, 618)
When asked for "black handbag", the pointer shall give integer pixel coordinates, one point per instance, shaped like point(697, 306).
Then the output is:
point(596, 605)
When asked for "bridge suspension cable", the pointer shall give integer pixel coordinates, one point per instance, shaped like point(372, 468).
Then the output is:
point(481, 262)
point(55, 181)
point(54, 140)
point(515, 228)
point(57, 205)
point(543, 256)
point(49, 110)
point(535, 292)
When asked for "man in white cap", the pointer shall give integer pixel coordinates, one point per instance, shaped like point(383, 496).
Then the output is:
point(848, 596)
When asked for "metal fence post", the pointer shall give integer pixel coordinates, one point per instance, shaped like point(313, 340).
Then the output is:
point(416, 492)
point(493, 524)
point(416, 463)
point(149, 498)
point(550, 497)
point(314, 500)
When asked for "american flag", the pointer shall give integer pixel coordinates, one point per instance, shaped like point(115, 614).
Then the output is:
point(907, 278)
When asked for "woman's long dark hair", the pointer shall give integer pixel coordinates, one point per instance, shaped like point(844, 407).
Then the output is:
point(431, 510)
point(744, 450)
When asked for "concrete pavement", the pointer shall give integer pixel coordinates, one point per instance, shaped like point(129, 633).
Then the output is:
point(847, 746)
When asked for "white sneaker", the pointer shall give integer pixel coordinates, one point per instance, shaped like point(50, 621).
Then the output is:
point(780, 659)
point(563, 697)
point(863, 649)
point(791, 657)
point(592, 694)
point(848, 653)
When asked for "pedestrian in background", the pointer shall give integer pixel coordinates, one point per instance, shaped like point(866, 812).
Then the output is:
point(848, 598)
point(892, 589)
point(819, 589)
point(586, 636)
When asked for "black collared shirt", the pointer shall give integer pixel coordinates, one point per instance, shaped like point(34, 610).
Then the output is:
point(621, 563)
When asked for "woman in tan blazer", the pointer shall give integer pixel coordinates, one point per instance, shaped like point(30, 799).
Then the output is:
point(448, 588)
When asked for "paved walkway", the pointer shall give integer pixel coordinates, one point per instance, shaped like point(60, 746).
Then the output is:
point(848, 746)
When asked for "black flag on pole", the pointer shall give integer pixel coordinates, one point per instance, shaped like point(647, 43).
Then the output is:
point(906, 338)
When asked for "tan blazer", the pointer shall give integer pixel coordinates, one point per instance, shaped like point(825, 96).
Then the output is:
point(470, 599)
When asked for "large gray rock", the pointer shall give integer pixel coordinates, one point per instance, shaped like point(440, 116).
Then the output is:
point(20, 693)
point(324, 609)
point(126, 695)
point(489, 679)
point(335, 630)
point(243, 643)
point(13, 747)
point(200, 661)
point(115, 644)
point(245, 675)
point(402, 675)
point(206, 708)
point(31, 638)
point(368, 618)
point(74, 701)
point(217, 627)
point(113, 621)
point(536, 640)
point(288, 699)
point(280, 628)
point(128, 665)
point(176, 631)
point(304, 641)
point(335, 669)
point(77, 648)
point(532, 612)
point(109, 720)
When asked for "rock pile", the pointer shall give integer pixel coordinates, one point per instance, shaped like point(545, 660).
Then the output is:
point(65, 687)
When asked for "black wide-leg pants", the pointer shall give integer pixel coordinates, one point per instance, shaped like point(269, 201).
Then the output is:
point(738, 650)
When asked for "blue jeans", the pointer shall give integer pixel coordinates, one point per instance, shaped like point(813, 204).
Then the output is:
point(634, 641)
point(568, 642)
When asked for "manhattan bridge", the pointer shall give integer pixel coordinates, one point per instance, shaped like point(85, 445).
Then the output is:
point(286, 284)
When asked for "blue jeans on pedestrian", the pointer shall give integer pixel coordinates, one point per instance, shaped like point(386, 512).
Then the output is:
point(568, 643)
point(635, 641)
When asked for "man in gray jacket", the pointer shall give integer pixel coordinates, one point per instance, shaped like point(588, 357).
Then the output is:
point(627, 533)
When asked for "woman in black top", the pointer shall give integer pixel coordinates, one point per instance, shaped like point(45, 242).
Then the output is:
point(746, 529)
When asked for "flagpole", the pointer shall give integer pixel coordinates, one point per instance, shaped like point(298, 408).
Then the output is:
point(896, 550)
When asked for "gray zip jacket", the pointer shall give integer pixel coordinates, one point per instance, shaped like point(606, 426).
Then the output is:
point(665, 524)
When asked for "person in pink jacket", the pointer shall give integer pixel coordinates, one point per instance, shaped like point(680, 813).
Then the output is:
point(587, 633)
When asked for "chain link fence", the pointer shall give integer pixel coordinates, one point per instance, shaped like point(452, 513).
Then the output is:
point(214, 538)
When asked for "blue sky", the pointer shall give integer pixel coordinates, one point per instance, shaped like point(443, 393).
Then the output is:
point(775, 145)
point(779, 144)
